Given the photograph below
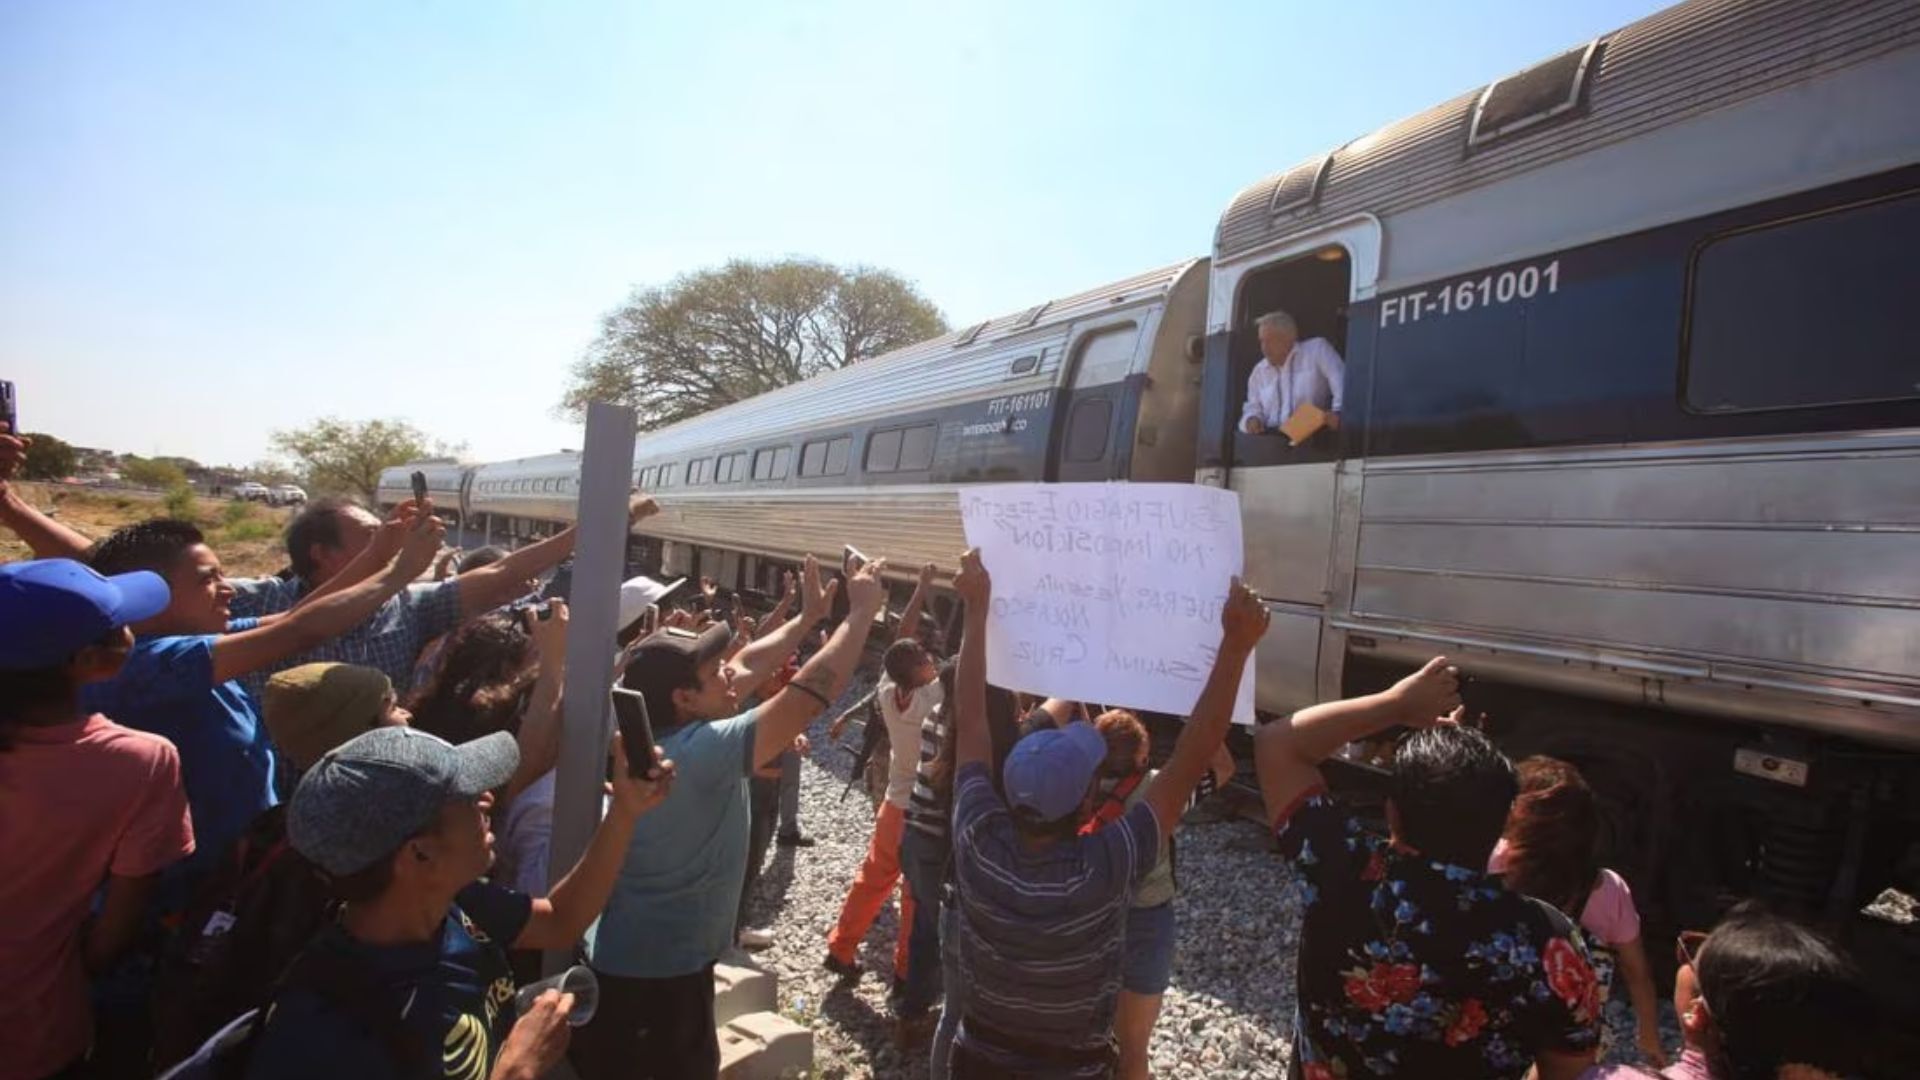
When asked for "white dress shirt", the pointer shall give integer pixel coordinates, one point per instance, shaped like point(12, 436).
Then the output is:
point(1313, 373)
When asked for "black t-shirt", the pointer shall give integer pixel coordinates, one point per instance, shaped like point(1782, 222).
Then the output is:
point(454, 993)
point(1413, 967)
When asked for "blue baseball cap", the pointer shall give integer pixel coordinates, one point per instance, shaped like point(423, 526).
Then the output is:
point(53, 608)
point(1048, 773)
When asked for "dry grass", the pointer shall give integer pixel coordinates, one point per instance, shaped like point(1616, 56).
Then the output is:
point(246, 535)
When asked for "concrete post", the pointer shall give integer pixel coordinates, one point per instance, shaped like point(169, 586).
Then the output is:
point(599, 560)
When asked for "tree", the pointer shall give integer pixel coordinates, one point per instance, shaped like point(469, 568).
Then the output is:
point(339, 457)
point(151, 472)
point(718, 336)
point(48, 458)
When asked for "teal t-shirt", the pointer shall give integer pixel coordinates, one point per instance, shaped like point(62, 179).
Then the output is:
point(673, 907)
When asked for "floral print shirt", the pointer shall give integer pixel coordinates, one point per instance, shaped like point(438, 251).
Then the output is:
point(1413, 967)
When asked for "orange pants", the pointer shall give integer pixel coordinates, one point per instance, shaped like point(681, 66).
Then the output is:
point(871, 887)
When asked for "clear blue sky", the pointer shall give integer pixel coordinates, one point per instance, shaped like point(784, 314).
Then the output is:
point(217, 219)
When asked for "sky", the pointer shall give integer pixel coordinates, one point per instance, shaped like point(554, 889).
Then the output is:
point(222, 219)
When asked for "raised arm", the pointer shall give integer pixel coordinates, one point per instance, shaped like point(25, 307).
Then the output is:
point(308, 626)
point(539, 735)
point(763, 659)
point(374, 557)
point(1243, 620)
point(916, 606)
point(489, 587)
point(789, 594)
point(971, 742)
point(47, 538)
point(795, 706)
point(1288, 752)
point(558, 921)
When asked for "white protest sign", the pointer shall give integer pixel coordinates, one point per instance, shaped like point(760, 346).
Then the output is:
point(1107, 593)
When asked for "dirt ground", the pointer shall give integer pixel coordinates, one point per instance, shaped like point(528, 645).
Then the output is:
point(246, 535)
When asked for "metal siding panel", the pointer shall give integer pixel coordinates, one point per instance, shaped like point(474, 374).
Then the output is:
point(1679, 63)
point(1785, 555)
point(1872, 643)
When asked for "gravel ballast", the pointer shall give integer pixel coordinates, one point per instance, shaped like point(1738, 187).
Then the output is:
point(1227, 1016)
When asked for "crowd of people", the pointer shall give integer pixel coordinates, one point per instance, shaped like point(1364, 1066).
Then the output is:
point(300, 826)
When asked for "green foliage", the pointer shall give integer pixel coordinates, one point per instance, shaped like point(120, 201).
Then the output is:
point(181, 503)
point(718, 336)
point(152, 472)
point(251, 529)
point(48, 458)
point(340, 457)
point(236, 512)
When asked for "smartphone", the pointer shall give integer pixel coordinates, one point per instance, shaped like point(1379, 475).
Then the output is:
point(9, 407)
point(419, 488)
point(636, 731)
point(852, 559)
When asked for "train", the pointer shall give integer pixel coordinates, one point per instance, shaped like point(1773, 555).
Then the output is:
point(1631, 430)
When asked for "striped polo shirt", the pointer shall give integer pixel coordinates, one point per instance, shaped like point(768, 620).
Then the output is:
point(927, 809)
point(1042, 932)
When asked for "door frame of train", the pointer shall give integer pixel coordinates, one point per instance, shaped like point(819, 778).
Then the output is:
point(1079, 336)
point(1303, 656)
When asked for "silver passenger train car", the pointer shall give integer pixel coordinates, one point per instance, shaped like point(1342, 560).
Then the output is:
point(1631, 429)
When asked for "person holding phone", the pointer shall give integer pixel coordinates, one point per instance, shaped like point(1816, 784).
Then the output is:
point(672, 913)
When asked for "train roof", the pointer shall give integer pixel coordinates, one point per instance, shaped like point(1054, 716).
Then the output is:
point(964, 362)
point(1672, 66)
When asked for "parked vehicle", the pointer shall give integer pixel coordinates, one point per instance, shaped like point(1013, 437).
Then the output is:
point(286, 495)
point(251, 492)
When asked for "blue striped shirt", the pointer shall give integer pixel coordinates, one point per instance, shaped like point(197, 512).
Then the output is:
point(1042, 931)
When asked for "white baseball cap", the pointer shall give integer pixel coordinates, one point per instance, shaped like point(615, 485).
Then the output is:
point(637, 594)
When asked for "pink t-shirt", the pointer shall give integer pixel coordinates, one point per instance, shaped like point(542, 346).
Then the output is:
point(1609, 915)
point(78, 802)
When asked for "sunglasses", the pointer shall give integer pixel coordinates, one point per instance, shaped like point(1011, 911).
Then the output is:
point(1687, 946)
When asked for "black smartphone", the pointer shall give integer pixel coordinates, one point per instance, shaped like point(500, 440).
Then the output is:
point(9, 407)
point(419, 488)
point(852, 559)
point(636, 731)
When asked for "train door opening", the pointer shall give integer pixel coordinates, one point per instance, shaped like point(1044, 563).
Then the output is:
point(1314, 289)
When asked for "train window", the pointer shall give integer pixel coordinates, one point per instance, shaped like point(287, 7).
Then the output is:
point(736, 466)
point(1105, 356)
point(883, 451)
point(1087, 428)
point(1546, 91)
point(697, 470)
point(825, 457)
point(770, 463)
point(1811, 311)
point(916, 447)
point(1026, 365)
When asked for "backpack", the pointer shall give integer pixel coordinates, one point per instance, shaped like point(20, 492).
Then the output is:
point(331, 974)
point(239, 936)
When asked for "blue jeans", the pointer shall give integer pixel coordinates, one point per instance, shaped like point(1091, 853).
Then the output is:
point(923, 862)
point(956, 993)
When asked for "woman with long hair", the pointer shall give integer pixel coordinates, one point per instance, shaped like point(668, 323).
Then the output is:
point(1551, 851)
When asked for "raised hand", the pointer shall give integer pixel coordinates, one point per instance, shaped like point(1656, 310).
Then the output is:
point(1243, 618)
point(549, 634)
point(419, 545)
point(865, 591)
point(635, 795)
point(1429, 695)
point(640, 507)
point(816, 600)
point(926, 575)
point(13, 454)
point(973, 584)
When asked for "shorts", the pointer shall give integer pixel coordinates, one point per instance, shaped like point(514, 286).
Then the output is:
point(1148, 965)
